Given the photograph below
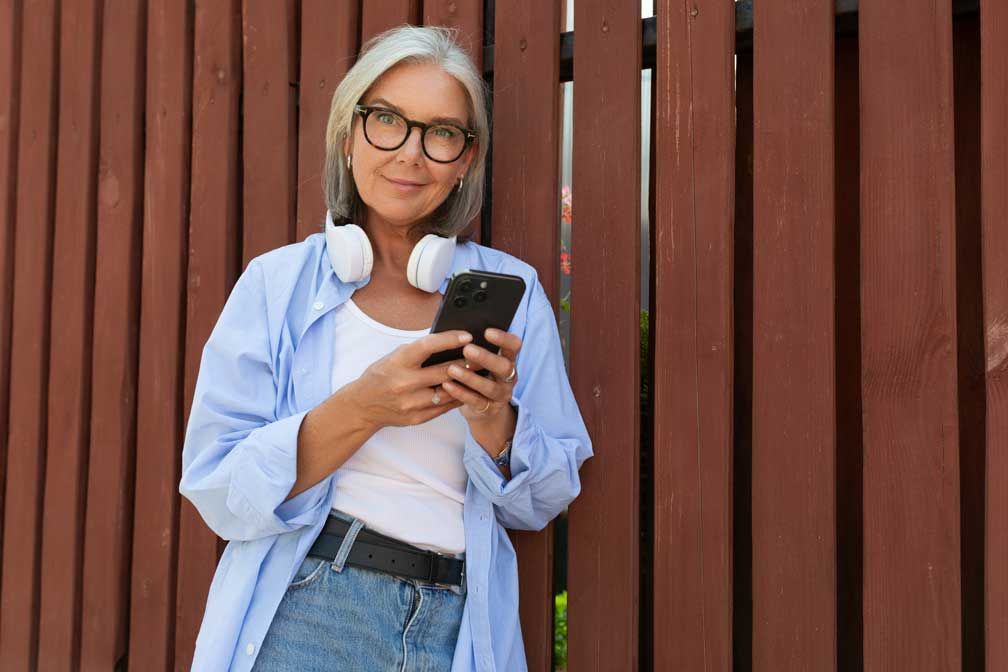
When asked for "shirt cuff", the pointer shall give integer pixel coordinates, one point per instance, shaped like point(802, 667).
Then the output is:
point(485, 474)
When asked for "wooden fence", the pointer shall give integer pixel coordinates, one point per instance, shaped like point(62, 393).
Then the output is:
point(819, 478)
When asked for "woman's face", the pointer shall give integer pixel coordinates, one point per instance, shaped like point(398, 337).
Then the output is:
point(420, 92)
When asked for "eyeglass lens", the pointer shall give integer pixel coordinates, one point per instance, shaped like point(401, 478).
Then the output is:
point(387, 130)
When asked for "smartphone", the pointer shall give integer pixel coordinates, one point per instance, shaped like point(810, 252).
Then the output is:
point(476, 301)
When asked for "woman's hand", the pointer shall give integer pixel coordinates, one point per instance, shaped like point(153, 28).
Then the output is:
point(397, 391)
point(485, 397)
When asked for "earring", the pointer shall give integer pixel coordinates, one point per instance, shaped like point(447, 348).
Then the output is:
point(348, 161)
point(460, 182)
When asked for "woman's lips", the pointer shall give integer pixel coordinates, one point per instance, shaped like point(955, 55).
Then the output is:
point(404, 186)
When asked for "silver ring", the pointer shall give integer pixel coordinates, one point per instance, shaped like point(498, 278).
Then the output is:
point(511, 376)
point(436, 399)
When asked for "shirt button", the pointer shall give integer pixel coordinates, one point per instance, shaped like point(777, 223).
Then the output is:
point(249, 649)
point(317, 305)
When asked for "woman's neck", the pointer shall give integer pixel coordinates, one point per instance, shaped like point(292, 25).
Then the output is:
point(391, 244)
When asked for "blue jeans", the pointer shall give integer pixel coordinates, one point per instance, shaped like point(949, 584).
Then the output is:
point(338, 617)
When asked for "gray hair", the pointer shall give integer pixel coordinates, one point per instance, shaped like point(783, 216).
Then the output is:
point(407, 44)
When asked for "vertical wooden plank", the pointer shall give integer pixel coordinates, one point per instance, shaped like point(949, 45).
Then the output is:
point(10, 96)
point(794, 448)
point(214, 255)
point(162, 300)
point(29, 348)
point(467, 17)
point(911, 466)
point(108, 526)
point(605, 372)
point(994, 200)
point(329, 44)
point(70, 344)
point(380, 15)
point(269, 164)
point(526, 184)
point(694, 136)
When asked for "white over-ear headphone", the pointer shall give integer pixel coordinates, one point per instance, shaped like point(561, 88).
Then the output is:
point(351, 256)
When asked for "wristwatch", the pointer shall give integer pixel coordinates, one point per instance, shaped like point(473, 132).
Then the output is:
point(503, 459)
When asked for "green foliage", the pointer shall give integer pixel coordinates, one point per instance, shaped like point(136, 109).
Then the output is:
point(560, 632)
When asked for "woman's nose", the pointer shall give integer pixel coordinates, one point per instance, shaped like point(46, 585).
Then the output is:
point(413, 147)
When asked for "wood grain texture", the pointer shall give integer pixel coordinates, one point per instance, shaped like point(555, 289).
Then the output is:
point(605, 336)
point(793, 416)
point(694, 184)
point(10, 96)
point(380, 15)
point(29, 345)
point(168, 115)
point(69, 395)
point(214, 257)
point(329, 44)
point(525, 221)
point(912, 615)
point(269, 125)
point(109, 510)
point(994, 199)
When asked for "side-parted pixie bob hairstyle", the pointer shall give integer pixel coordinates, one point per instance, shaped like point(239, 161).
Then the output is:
point(406, 44)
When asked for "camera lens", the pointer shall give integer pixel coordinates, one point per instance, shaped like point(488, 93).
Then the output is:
point(464, 287)
point(460, 301)
point(479, 296)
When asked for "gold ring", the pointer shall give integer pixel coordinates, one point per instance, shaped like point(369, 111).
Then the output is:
point(511, 376)
point(485, 408)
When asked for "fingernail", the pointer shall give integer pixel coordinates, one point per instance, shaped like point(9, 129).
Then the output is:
point(465, 337)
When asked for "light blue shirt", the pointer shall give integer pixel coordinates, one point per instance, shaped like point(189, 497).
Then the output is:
point(267, 363)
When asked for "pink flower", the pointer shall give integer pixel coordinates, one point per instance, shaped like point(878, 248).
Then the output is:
point(565, 263)
point(566, 211)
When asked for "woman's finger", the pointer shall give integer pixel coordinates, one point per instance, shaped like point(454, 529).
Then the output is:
point(473, 400)
point(489, 389)
point(499, 365)
point(508, 343)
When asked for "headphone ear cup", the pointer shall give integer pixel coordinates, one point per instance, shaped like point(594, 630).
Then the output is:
point(349, 251)
point(430, 262)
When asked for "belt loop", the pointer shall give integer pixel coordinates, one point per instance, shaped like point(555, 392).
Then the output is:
point(347, 544)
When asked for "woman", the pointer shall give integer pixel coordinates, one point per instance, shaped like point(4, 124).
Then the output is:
point(364, 496)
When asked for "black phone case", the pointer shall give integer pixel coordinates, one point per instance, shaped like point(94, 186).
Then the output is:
point(461, 309)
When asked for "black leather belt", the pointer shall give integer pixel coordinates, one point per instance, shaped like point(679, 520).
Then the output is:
point(385, 554)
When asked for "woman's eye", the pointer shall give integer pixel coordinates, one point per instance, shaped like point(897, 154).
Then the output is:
point(445, 132)
point(386, 118)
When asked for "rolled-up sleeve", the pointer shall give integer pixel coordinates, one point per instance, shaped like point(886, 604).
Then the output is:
point(239, 460)
point(550, 441)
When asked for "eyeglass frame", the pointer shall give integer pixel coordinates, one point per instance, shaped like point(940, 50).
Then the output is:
point(366, 110)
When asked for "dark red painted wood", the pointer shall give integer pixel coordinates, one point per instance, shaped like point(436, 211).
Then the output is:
point(29, 344)
point(10, 96)
point(994, 199)
point(269, 125)
point(605, 336)
point(694, 135)
point(70, 341)
point(214, 257)
point(526, 136)
point(109, 510)
point(793, 415)
point(380, 15)
point(911, 464)
point(329, 44)
point(162, 304)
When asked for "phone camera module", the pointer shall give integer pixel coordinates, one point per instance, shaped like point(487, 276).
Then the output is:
point(479, 296)
point(464, 287)
point(460, 301)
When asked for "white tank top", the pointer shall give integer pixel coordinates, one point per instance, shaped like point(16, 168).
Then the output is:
point(405, 482)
